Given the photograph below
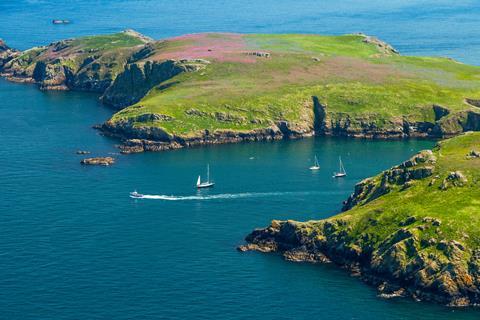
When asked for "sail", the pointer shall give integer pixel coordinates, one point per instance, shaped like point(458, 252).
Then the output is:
point(208, 173)
point(198, 181)
point(316, 162)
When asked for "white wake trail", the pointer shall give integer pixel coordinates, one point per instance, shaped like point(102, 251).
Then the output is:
point(228, 195)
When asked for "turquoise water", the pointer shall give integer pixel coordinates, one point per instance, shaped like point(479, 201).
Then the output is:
point(73, 245)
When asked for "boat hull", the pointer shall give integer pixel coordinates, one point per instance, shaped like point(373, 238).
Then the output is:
point(205, 185)
point(339, 175)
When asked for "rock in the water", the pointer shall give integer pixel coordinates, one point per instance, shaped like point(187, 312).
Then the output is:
point(82, 152)
point(100, 161)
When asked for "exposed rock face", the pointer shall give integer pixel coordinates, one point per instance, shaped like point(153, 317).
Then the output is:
point(383, 46)
point(99, 161)
point(396, 266)
point(6, 54)
point(149, 138)
point(137, 79)
point(454, 179)
point(343, 124)
point(473, 154)
point(457, 123)
point(68, 65)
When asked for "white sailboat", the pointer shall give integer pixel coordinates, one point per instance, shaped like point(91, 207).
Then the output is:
point(315, 166)
point(341, 171)
point(206, 184)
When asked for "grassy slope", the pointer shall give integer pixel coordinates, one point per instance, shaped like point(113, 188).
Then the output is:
point(350, 76)
point(457, 208)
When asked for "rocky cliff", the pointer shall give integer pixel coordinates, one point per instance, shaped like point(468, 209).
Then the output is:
point(6, 53)
point(138, 78)
point(410, 231)
point(84, 64)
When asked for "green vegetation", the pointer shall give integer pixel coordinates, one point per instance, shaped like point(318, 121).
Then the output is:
point(107, 42)
point(457, 207)
point(411, 230)
point(240, 83)
point(347, 73)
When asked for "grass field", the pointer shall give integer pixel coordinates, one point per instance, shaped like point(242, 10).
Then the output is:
point(347, 73)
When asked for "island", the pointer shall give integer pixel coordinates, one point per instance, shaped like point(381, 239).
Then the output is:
point(412, 230)
point(211, 88)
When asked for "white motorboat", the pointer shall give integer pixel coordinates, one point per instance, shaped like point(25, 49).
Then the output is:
point(135, 195)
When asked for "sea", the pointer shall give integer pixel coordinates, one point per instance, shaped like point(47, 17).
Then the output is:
point(74, 245)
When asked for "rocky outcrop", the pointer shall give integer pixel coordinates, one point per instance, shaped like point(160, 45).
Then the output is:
point(446, 124)
point(152, 138)
point(397, 265)
point(70, 64)
point(381, 45)
point(99, 161)
point(138, 78)
point(6, 54)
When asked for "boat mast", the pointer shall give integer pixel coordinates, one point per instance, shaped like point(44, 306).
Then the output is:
point(208, 172)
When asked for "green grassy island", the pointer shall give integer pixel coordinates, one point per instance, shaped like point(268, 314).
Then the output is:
point(221, 87)
point(413, 230)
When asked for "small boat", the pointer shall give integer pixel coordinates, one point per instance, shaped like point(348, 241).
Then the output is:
point(206, 184)
point(341, 172)
point(315, 166)
point(58, 21)
point(135, 195)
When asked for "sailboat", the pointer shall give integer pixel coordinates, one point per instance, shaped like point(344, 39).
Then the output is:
point(315, 166)
point(341, 172)
point(206, 184)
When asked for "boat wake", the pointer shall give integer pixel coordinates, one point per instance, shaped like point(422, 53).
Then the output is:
point(228, 195)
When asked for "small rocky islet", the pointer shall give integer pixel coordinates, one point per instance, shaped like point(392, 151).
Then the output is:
point(98, 161)
point(411, 231)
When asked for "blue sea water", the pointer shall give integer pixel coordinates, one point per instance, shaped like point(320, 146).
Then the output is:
point(73, 245)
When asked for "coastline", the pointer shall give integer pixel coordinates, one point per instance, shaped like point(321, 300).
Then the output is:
point(389, 239)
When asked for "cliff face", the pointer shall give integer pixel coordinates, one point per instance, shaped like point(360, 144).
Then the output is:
point(410, 231)
point(138, 78)
point(443, 123)
point(6, 54)
point(154, 138)
point(84, 64)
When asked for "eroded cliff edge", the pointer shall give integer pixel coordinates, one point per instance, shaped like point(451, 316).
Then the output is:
point(413, 230)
